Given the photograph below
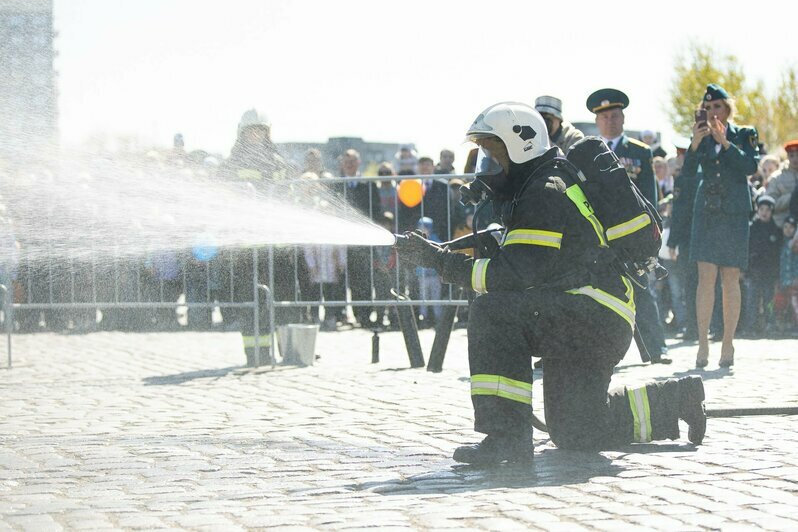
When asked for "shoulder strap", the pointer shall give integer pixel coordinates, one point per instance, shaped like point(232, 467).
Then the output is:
point(574, 192)
point(557, 162)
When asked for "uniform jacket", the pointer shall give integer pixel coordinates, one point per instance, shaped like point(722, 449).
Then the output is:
point(781, 187)
point(567, 136)
point(546, 244)
point(725, 174)
point(636, 157)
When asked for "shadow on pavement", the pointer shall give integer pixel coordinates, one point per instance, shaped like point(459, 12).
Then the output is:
point(707, 375)
point(551, 467)
point(180, 378)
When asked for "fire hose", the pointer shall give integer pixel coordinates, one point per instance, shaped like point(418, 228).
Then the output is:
point(715, 412)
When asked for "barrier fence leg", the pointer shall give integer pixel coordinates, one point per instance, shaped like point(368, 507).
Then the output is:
point(407, 322)
point(443, 330)
point(267, 309)
point(8, 310)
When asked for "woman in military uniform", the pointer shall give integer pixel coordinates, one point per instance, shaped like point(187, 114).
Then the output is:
point(727, 154)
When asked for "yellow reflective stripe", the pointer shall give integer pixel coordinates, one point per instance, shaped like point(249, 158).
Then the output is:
point(625, 309)
point(249, 174)
point(630, 291)
point(503, 387)
point(265, 340)
point(629, 227)
point(478, 273)
point(535, 237)
point(638, 403)
point(578, 198)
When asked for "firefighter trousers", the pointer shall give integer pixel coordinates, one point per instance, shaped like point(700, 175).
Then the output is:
point(580, 342)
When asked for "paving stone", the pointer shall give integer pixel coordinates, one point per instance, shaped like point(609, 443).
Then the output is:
point(145, 431)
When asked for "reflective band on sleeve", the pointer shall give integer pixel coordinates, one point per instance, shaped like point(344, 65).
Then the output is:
point(265, 340)
point(503, 387)
point(625, 309)
point(578, 198)
point(627, 228)
point(638, 402)
point(478, 273)
point(535, 237)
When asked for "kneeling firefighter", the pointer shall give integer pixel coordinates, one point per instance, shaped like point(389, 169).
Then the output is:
point(543, 294)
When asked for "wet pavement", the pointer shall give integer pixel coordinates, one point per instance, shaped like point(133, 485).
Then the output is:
point(168, 431)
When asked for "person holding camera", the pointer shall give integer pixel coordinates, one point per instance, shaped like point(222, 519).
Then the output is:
point(727, 154)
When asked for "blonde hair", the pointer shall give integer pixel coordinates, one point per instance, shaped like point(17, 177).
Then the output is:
point(770, 158)
point(730, 103)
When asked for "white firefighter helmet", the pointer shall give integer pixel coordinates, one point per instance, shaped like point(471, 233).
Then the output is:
point(518, 125)
point(252, 117)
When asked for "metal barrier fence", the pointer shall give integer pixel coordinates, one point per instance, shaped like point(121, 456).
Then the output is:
point(134, 293)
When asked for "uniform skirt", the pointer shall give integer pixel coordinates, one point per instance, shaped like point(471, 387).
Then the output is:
point(720, 238)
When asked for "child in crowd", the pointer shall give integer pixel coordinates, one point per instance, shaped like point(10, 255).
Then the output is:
point(786, 300)
point(764, 246)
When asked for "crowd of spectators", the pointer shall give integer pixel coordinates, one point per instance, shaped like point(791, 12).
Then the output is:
point(769, 284)
point(331, 274)
point(188, 288)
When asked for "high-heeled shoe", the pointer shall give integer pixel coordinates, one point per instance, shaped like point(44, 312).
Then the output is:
point(727, 362)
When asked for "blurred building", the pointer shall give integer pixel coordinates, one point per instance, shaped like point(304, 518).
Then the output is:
point(371, 153)
point(28, 94)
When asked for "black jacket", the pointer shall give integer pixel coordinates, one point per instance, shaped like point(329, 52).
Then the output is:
point(764, 249)
point(547, 242)
point(363, 196)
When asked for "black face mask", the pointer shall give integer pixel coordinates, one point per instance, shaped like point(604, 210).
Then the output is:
point(490, 180)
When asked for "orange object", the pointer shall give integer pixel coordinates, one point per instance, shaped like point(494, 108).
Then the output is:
point(410, 192)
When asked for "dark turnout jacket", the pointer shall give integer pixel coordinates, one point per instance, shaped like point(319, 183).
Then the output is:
point(547, 244)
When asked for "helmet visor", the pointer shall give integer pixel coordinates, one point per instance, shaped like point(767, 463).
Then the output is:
point(487, 165)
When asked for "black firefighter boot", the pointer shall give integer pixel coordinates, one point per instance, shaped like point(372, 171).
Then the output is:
point(497, 448)
point(691, 407)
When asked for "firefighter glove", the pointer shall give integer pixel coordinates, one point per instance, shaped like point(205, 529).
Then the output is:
point(413, 247)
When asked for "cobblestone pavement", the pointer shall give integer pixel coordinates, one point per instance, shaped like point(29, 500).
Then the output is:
point(149, 431)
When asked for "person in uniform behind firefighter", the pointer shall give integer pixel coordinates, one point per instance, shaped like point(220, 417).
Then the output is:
point(541, 295)
point(561, 133)
point(608, 105)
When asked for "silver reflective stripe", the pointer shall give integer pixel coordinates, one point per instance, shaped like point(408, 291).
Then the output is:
point(626, 228)
point(478, 274)
point(535, 237)
point(624, 310)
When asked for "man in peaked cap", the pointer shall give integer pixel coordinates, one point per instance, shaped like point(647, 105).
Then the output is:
point(561, 133)
point(608, 106)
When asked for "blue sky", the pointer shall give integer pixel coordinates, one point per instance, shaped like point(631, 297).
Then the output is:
point(409, 71)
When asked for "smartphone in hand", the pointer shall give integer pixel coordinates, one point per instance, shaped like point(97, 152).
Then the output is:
point(701, 117)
